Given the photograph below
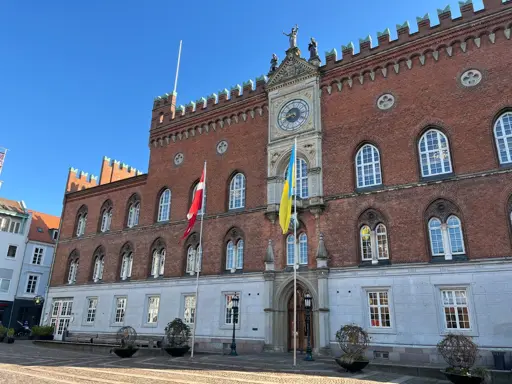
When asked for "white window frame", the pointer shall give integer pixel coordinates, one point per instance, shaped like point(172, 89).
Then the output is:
point(82, 223)
point(367, 314)
point(37, 256)
point(35, 277)
point(14, 226)
point(55, 234)
point(374, 164)
point(458, 286)
point(133, 214)
point(106, 220)
point(150, 311)
point(8, 289)
point(126, 266)
point(301, 178)
point(115, 308)
point(224, 295)
point(297, 245)
point(373, 241)
point(164, 206)
point(438, 152)
point(90, 311)
point(99, 263)
point(504, 138)
point(234, 191)
point(158, 263)
point(192, 262)
point(237, 259)
point(446, 239)
point(183, 307)
point(73, 271)
point(15, 251)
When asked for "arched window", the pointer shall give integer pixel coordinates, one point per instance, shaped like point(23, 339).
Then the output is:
point(503, 136)
point(105, 216)
point(81, 220)
point(99, 263)
point(203, 207)
point(158, 260)
point(161, 118)
point(126, 262)
point(235, 255)
point(434, 153)
point(301, 174)
point(445, 229)
point(303, 249)
point(237, 192)
point(73, 267)
point(368, 166)
point(133, 211)
point(194, 255)
point(164, 205)
point(373, 237)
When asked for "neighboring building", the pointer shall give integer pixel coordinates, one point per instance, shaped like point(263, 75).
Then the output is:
point(37, 262)
point(14, 227)
point(405, 202)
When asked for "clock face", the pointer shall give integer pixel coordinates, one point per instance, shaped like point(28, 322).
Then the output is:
point(293, 114)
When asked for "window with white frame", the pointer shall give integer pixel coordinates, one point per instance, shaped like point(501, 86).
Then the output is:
point(37, 257)
point(81, 220)
point(455, 308)
point(106, 220)
point(4, 224)
point(302, 246)
point(301, 178)
point(194, 255)
point(55, 234)
point(4, 285)
point(237, 192)
point(158, 263)
point(368, 166)
point(14, 226)
point(126, 264)
point(228, 309)
point(99, 263)
point(120, 309)
point(503, 137)
point(73, 271)
point(235, 255)
point(11, 251)
point(374, 243)
point(92, 303)
point(446, 239)
point(189, 309)
point(133, 214)
point(152, 311)
point(434, 153)
point(379, 309)
point(32, 283)
point(164, 206)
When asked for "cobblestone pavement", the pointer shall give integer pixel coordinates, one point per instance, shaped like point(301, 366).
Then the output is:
point(24, 362)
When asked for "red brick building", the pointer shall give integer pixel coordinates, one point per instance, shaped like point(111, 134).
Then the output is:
point(405, 200)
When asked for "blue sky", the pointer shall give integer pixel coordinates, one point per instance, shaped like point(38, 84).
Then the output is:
point(78, 78)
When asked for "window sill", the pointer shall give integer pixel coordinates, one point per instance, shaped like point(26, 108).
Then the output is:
point(117, 324)
point(236, 272)
point(442, 260)
point(467, 332)
point(88, 324)
point(370, 188)
point(150, 325)
point(391, 331)
point(234, 210)
point(438, 177)
point(505, 166)
point(369, 264)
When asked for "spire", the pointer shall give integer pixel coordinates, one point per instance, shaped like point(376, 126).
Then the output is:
point(321, 252)
point(269, 256)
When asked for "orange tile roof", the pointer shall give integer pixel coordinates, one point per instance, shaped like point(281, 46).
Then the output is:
point(45, 222)
point(11, 205)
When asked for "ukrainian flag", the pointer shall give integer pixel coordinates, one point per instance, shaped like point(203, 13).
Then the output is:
point(285, 208)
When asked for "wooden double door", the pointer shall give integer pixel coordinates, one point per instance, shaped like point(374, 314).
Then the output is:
point(302, 340)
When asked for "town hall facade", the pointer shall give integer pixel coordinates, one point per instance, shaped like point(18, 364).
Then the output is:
point(404, 200)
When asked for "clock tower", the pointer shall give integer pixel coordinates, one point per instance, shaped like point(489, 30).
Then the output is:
point(294, 112)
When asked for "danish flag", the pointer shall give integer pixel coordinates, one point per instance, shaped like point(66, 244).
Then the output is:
point(196, 206)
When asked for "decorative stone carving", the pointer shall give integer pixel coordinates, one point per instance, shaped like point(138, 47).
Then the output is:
point(386, 101)
point(471, 78)
point(441, 209)
point(273, 63)
point(290, 68)
point(178, 158)
point(222, 147)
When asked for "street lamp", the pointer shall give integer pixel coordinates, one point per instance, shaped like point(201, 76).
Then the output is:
point(38, 300)
point(308, 305)
point(234, 307)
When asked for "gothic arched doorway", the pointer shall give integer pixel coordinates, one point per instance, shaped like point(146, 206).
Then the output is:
point(301, 322)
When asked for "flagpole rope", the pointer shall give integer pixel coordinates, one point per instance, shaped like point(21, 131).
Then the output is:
point(197, 264)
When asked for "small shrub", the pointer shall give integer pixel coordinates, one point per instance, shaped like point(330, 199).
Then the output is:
point(10, 332)
point(3, 331)
point(45, 330)
point(177, 333)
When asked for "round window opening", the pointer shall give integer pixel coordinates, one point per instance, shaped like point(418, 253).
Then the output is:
point(471, 78)
point(178, 158)
point(386, 101)
point(222, 147)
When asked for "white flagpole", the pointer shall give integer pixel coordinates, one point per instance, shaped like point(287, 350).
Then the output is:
point(177, 69)
point(198, 262)
point(295, 258)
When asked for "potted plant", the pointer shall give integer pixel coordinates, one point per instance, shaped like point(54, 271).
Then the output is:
point(43, 332)
point(460, 352)
point(3, 332)
point(353, 341)
point(126, 337)
point(177, 335)
point(10, 336)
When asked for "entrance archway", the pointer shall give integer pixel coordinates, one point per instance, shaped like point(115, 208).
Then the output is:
point(301, 322)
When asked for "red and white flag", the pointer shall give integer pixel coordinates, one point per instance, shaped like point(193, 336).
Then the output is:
point(196, 206)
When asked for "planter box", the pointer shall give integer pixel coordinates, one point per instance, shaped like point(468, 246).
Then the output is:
point(45, 337)
point(125, 352)
point(356, 366)
point(461, 379)
point(10, 340)
point(177, 351)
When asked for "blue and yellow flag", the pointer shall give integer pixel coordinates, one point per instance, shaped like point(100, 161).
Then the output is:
point(285, 209)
